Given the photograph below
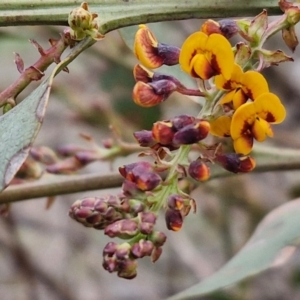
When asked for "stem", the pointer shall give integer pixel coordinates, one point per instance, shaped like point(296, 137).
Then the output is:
point(268, 159)
point(116, 14)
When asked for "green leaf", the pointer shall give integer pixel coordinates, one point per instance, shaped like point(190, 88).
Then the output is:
point(272, 243)
point(115, 14)
point(19, 126)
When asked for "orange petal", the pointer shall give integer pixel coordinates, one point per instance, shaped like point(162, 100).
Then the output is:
point(145, 45)
point(261, 129)
point(269, 108)
point(220, 55)
point(254, 84)
point(243, 144)
point(200, 67)
point(193, 45)
point(220, 126)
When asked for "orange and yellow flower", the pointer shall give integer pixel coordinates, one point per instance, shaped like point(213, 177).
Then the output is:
point(252, 121)
point(241, 86)
point(206, 56)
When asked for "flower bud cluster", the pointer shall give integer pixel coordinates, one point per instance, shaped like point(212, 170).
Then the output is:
point(121, 258)
point(180, 130)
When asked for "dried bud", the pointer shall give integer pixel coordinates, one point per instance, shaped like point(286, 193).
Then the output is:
point(144, 138)
point(142, 248)
point(236, 163)
point(30, 169)
point(199, 170)
point(151, 53)
point(192, 133)
point(163, 132)
point(153, 93)
point(123, 229)
point(84, 23)
point(174, 219)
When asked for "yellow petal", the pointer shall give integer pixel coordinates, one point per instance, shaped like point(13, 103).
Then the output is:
point(254, 84)
point(234, 81)
point(220, 55)
point(242, 120)
point(239, 98)
point(261, 129)
point(269, 108)
point(193, 45)
point(221, 126)
point(243, 144)
point(228, 97)
point(200, 67)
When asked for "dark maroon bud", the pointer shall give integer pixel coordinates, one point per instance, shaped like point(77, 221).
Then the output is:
point(174, 219)
point(127, 170)
point(199, 170)
point(144, 138)
point(236, 163)
point(192, 133)
point(181, 121)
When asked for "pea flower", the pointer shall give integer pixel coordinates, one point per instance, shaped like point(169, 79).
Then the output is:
point(253, 119)
point(150, 52)
point(206, 56)
point(241, 86)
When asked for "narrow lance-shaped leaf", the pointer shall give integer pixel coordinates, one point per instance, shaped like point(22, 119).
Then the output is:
point(273, 242)
point(19, 126)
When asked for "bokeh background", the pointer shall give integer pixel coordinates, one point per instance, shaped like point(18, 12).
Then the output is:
point(46, 255)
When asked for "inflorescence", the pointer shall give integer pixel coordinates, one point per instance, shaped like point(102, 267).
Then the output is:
point(238, 109)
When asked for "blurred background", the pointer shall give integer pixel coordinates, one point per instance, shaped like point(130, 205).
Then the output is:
point(46, 255)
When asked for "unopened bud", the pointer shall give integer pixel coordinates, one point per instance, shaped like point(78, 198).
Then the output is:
point(144, 138)
point(163, 132)
point(174, 219)
point(123, 229)
point(192, 133)
point(127, 269)
point(142, 248)
point(236, 163)
point(199, 170)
